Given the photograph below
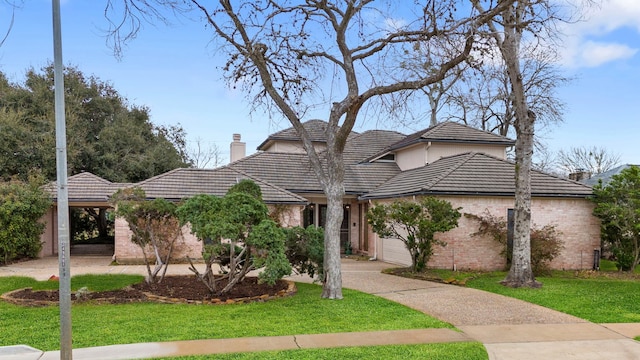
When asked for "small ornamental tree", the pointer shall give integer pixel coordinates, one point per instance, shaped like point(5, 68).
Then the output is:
point(21, 207)
point(237, 235)
point(415, 224)
point(154, 227)
point(545, 241)
point(618, 207)
point(305, 249)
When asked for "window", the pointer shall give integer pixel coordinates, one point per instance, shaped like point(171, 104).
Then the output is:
point(387, 158)
point(308, 216)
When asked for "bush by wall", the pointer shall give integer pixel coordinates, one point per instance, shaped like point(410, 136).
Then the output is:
point(21, 207)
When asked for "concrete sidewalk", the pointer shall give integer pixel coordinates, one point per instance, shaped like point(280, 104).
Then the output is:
point(509, 328)
point(250, 344)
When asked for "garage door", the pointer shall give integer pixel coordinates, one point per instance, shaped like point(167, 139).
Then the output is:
point(394, 251)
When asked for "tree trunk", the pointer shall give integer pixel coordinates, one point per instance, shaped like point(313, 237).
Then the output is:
point(521, 272)
point(103, 228)
point(100, 218)
point(332, 286)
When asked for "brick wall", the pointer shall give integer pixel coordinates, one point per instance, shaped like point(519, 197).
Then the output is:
point(290, 216)
point(579, 229)
point(127, 252)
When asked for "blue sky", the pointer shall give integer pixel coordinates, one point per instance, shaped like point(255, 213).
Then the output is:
point(174, 70)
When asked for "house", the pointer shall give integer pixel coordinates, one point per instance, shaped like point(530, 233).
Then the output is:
point(605, 177)
point(463, 165)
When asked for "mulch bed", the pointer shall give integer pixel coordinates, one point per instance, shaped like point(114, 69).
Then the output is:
point(172, 289)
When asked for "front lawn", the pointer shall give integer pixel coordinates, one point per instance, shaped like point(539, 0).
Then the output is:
point(599, 299)
point(448, 351)
point(96, 325)
point(605, 296)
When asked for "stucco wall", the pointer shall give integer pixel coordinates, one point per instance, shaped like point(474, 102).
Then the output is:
point(412, 157)
point(294, 147)
point(580, 233)
point(440, 150)
point(49, 237)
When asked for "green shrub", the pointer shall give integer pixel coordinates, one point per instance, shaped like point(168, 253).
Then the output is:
point(618, 207)
point(305, 249)
point(21, 207)
point(239, 236)
point(415, 224)
point(545, 242)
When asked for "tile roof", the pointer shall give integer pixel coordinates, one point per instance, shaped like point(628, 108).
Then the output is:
point(473, 174)
point(85, 187)
point(315, 128)
point(294, 172)
point(606, 176)
point(362, 146)
point(186, 182)
point(286, 170)
point(453, 132)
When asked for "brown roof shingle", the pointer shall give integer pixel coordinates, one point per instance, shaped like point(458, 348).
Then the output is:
point(473, 174)
point(85, 187)
point(186, 182)
point(294, 172)
point(315, 128)
point(453, 132)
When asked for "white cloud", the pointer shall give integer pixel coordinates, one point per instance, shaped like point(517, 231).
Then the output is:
point(589, 43)
point(611, 15)
point(593, 54)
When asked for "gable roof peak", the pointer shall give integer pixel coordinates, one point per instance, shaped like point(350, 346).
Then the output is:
point(316, 129)
point(453, 132)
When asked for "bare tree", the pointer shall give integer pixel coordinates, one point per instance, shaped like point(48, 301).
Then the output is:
point(595, 160)
point(545, 161)
point(13, 5)
point(281, 52)
point(204, 156)
point(420, 63)
point(484, 99)
point(536, 17)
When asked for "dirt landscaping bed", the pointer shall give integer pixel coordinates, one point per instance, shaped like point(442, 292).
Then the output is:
point(172, 289)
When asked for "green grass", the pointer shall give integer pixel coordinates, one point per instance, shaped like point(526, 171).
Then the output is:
point(598, 299)
point(449, 351)
point(610, 266)
point(96, 325)
point(606, 296)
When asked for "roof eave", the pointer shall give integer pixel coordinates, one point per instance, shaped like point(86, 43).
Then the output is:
point(471, 193)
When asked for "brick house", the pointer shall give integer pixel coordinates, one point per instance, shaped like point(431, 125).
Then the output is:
point(463, 165)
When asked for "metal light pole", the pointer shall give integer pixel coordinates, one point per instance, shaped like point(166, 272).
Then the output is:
point(63, 191)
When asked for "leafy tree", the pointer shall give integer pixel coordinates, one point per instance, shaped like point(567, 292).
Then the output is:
point(237, 235)
point(415, 224)
point(154, 226)
point(21, 207)
point(305, 249)
point(106, 135)
point(546, 244)
point(618, 207)
point(281, 52)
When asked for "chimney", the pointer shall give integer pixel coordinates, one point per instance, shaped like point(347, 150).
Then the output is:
point(238, 148)
point(580, 175)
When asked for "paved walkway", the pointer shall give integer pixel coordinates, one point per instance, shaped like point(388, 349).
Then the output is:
point(508, 328)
